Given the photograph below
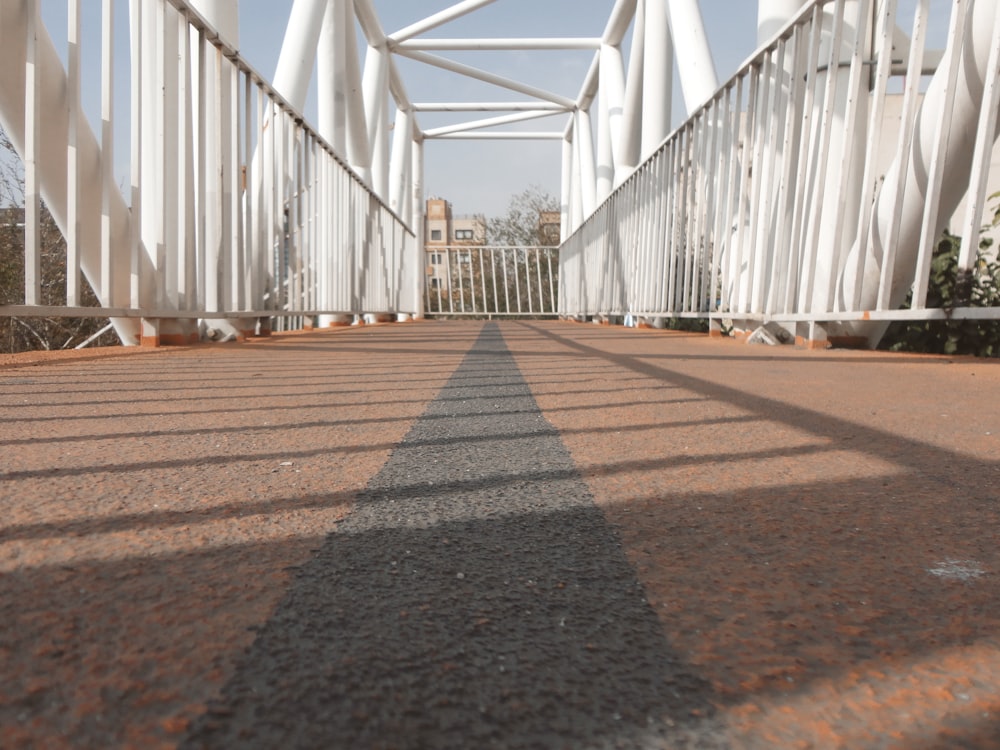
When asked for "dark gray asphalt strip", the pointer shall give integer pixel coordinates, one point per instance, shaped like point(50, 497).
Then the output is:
point(491, 610)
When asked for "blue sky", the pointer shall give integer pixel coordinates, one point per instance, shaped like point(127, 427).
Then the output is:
point(481, 176)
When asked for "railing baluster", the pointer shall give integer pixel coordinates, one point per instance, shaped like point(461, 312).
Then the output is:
point(72, 156)
point(32, 199)
point(105, 287)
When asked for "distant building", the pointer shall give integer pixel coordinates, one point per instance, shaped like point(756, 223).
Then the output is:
point(445, 230)
point(549, 227)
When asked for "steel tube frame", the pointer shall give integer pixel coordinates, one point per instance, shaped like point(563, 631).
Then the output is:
point(750, 155)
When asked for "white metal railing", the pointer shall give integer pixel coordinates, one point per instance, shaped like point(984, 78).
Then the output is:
point(794, 194)
point(236, 209)
point(491, 281)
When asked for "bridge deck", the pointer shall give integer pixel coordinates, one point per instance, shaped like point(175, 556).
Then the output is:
point(515, 534)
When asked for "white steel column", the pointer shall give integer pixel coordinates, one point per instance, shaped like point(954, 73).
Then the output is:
point(699, 80)
point(432, 22)
point(335, 46)
point(612, 98)
point(576, 215)
point(401, 163)
point(630, 146)
point(584, 139)
point(417, 224)
point(658, 77)
point(298, 51)
point(565, 218)
point(376, 92)
point(331, 75)
point(224, 15)
point(773, 16)
point(358, 147)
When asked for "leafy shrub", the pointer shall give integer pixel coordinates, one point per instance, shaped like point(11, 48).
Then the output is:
point(950, 288)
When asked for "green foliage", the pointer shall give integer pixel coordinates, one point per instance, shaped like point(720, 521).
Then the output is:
point(694, 325)
point(951, 287)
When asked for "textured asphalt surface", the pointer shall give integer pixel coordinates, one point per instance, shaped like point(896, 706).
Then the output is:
point(514, 535)
point(476, 597)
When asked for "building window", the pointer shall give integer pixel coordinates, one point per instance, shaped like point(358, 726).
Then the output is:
point(436, 234)
point(464, 234)
point(435, 282)
point(436, 259)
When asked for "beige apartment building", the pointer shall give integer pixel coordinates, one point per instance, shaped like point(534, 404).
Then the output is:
point(443, 230)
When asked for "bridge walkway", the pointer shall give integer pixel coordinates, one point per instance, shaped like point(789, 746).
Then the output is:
point(524, 534)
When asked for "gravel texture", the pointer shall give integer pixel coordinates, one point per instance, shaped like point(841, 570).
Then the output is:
point(307, 542)
point(153, 503)
point(475, 597)
point(817, 531)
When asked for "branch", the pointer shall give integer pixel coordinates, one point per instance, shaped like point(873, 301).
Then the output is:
point(33, 332)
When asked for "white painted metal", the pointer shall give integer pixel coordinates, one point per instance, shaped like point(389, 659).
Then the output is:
point(32, 148)
point(773, 16)
point(909, 180)
point(699, 80)
point(565, 189)
point(498, 135)
point(491, 281)
point(332, 76)
point(612, 82)
point(402, 163)
point(519, 43)
point(222, 16)
point(72, 157)
point(376, 94)
point(108, 188)
point(52, 178)
point(486, 76)
point(621, 16)
point(298, 51)
point(627, 153)
point(584, 140)
point(488, 106)
point(358, 147)
point(486, 123)
point(658, 77)
point(209, 236)
point(439, 19)
point(749, 211)
point(989, 113)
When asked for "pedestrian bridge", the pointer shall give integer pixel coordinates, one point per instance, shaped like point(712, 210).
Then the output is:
point(516, 532)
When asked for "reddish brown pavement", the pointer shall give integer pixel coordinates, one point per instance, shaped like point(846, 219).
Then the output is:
point(816, 530)
point(139, 489)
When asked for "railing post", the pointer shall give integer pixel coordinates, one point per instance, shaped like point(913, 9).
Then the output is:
point(32, 199)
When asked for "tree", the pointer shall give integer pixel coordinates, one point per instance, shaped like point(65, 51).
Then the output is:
point(523, 223)
point(20, 334)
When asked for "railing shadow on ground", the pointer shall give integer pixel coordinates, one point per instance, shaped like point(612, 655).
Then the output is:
point(824, 600)
point(801, 597)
